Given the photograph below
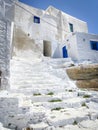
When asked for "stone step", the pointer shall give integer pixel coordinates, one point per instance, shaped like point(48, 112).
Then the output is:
point(89, 124)
point(34, 73)
point(43, 86)
point(59, 103)
point(62, 117)
point(39, 89)
point(21, 120)
point(37, 77)
point(71, 127)
point(67, 127)
point(38, 71)
point(36, 83)
point(16, 68)
point(39, 126)
point(38, 97)
point(67, 116)
point(56, 60)
point(39, 81)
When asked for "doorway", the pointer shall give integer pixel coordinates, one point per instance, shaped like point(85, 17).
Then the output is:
point(47, 49)
point(64, 50)
point(0, 78)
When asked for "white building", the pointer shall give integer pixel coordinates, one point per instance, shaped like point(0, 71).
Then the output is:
point(33, 33)
point(50, 31)
point(82, 47)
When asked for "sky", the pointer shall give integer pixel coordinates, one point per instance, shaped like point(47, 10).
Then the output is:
point(86, 10)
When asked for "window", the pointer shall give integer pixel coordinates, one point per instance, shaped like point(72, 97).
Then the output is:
point(71, 27)
point(94, 45)
point(36, 19)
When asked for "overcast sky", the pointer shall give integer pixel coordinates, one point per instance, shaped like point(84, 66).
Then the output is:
point(86, 10)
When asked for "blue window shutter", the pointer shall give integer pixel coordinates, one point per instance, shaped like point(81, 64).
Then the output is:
point(97, 46)
point(36, 19)
point(94, 45)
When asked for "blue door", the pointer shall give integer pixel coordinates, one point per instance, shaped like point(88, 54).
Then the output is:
point(65, 54)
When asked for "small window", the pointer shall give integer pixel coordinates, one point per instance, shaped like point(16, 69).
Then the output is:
point(36, 19)
point(71, 27)
point(94, 45)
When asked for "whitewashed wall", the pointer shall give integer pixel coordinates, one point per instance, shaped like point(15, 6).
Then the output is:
point(79, 48)
point(71, 44)
point(53, 27)
point(25, 19)
point(63, 20)
point(84, 48)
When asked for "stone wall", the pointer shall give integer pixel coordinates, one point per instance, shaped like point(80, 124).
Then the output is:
point(4, 53)
point(8, 105)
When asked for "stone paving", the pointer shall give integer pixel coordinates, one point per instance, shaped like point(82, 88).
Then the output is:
point(42, 97)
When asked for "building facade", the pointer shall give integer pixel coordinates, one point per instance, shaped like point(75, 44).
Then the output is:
point(33, 33)
point(45, 30)
point(83, 47)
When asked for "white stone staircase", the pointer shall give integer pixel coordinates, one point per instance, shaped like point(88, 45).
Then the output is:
point(37, 75)
point(49, 100)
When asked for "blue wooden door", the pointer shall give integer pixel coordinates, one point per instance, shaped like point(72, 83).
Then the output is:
point(64, 50)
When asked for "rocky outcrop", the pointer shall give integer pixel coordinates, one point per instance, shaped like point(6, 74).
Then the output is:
point(86, 76)
point(89, 84)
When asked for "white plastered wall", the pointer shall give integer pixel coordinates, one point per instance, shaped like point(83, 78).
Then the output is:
point(71, 46)
point(84, 48)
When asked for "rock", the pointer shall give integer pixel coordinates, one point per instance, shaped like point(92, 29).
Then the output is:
point(3, 128)
point(39, 126)
point(67, 116)
point(93, 84)
point(83, 72)
point(89, 124)
point(86, 76)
